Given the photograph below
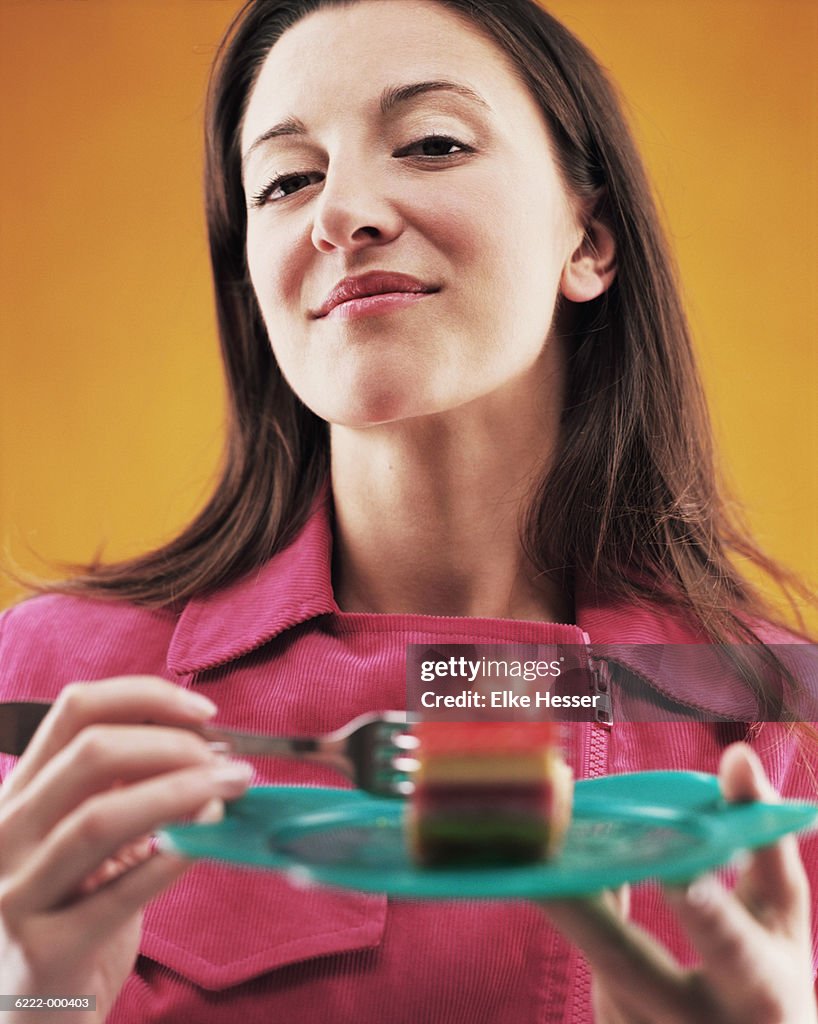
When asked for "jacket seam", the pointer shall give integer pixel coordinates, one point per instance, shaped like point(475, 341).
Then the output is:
point(366, 920)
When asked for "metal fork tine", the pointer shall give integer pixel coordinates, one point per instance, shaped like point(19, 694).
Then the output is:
point(406, 741)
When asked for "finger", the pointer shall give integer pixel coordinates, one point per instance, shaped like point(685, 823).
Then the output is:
point(211, 813)
point(113, 905)
point(97, 758)
point(773, 883)
point(106, 822)
point(730, 941)
point(742, 776)
point(123, 860)
point(638, 972)
point(608, 1010)
point(774, 887)
point(125, 699)
point(135, 853)
point(619, 900)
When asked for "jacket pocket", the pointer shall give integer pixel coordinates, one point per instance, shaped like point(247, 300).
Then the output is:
point(220, 926)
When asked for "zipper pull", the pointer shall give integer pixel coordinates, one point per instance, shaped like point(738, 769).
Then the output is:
point(601, 687)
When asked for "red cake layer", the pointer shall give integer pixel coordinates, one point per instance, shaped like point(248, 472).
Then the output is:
point(483, 737)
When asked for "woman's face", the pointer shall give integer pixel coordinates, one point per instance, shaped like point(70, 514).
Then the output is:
point(391, 138)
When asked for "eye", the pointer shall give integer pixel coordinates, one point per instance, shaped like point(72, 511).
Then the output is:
point(435, 147)
point(284, 185)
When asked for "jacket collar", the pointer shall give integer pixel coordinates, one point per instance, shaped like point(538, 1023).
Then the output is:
point(296, 586)
point(653, 642)
point(292, 587)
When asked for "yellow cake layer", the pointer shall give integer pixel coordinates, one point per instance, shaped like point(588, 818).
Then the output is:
point(499, 768)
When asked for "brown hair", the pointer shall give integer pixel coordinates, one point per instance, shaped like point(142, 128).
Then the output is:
point(631, 504)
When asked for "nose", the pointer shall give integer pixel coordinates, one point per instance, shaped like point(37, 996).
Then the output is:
point(353, 211)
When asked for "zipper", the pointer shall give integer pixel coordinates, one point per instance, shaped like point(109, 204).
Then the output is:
point(596, 764)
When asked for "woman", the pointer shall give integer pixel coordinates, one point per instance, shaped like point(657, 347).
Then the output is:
point(455, 351)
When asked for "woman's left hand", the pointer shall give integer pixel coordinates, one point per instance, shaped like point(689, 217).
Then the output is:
point(753, 941)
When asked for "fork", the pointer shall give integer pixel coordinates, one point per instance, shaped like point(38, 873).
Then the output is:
point(371, 750)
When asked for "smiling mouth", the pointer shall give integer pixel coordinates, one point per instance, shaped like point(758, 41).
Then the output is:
point(375, 292)
point(375, 305)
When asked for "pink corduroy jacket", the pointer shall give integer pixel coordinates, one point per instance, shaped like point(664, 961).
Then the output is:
point(275, 653)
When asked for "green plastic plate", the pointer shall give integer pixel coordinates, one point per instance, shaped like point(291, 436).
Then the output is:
point(669, 826)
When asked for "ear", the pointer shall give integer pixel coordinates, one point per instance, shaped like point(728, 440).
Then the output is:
point(592, 266)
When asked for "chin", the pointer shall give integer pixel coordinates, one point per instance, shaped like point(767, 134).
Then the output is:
point(371, 402)
point(373, 413)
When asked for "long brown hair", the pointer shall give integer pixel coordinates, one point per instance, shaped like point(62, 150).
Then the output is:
point(630, 506)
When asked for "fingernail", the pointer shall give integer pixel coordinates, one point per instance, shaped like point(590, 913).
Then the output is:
point(232, 773)
point(212, 812)
point(199, 703)
point(702, 893)
point(219, 748)
point(765, 788)
point(741, 860)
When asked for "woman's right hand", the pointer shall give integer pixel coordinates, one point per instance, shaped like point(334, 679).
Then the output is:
point(76, 816)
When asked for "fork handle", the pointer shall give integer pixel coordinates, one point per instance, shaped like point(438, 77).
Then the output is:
point(327, 750)
point(248, 744)
point(19, 720)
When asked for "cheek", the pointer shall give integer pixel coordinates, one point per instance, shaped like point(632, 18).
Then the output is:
point(459, 222)
point(533, 233)
point(530, 255)
point(277, 261)
point(461, 241)
point(501, 242)
point(511, 243)
point(275, 273)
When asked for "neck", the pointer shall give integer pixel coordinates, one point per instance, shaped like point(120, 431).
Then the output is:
point(428, 513)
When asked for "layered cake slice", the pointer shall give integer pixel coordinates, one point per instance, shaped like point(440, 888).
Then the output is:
point(488, 793)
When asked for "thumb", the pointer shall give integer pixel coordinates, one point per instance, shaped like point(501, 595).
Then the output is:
point(619, 901)
point(773, 884)
point(742, 776)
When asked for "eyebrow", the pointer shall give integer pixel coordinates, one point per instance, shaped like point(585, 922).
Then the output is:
point(397, 94)
point(391, 97)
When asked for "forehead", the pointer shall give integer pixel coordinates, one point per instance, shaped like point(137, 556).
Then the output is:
point(341, 57)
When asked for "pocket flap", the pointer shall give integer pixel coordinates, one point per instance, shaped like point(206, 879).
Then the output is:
point(220, 926)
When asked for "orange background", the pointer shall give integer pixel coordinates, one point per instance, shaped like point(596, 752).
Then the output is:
point(110, 390)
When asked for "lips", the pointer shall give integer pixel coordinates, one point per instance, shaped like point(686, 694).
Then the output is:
point(377, 282)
